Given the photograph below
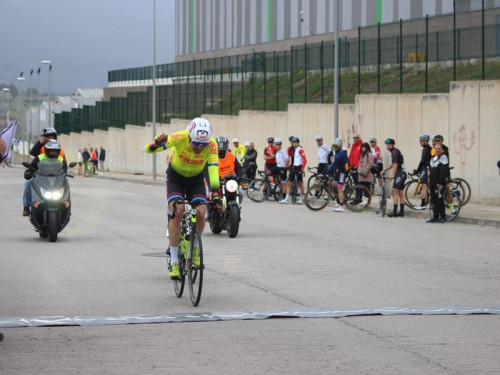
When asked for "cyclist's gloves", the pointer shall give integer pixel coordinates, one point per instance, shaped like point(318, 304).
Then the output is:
point(161, 139)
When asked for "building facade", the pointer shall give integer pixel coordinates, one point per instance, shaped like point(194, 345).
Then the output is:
point(210, 25)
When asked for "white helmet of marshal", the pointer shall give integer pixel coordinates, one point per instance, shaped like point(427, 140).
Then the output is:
point(200, 130)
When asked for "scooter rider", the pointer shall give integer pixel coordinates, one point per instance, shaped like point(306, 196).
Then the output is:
point(52, 150)
point(47, 135)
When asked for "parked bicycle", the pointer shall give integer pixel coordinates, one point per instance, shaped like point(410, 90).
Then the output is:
point(276, 186)
point(90, 171)
point(320, 195)
point(190, 238)
point(414, 187)
point(383, 198)
point(452, 205)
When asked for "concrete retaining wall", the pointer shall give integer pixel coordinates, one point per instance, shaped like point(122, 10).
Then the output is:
point(467, 117)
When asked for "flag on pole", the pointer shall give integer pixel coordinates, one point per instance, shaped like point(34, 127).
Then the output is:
point(7, 136)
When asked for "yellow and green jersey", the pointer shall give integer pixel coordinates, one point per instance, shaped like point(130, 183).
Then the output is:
point(185, 162)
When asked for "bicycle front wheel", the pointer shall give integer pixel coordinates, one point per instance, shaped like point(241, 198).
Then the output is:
point(179, 283)
point(195, 272)
point(412, 194)
point(317, 198)
point(357, 198)
point(312, 181)
point(258, 190)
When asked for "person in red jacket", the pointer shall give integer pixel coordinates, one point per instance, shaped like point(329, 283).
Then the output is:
point(354, 157)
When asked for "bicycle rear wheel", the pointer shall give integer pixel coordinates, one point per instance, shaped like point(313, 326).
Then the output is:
point(278, 192)
point(195, 273)
point(317, 198)
point(452, 210)
point(258, 190)
point(350, 198)
point(461, 185)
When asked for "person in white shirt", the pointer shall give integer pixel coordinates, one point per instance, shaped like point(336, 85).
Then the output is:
point(323, 151)
point(79, 159)
point(280, 168)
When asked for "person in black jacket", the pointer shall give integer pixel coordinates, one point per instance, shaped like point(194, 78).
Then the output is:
point(422, 168)
point(438, 178)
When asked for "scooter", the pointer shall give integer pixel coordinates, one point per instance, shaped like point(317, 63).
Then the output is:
point(50, 198)
point(225, 215)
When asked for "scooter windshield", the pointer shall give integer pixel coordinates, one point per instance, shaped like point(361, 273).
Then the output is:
point(50, 167)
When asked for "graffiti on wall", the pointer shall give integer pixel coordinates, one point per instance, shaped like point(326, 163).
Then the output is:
point(346, 135)
point(462, 143)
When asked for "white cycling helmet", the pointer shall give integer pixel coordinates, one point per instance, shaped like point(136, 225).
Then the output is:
point(200, 130)
point(318, 137)
point(277, 141)
point(236, 140)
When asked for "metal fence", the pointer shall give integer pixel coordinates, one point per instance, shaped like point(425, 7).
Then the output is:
point(401, 63)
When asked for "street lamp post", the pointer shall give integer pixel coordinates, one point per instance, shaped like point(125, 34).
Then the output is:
point(154, 84)
point(38, 103)
point(49, 63)
point(23, 116)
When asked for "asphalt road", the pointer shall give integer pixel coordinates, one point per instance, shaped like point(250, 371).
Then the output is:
point(109, 262)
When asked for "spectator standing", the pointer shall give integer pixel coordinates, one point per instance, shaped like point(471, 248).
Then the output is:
point(80, 163)
point(354, 156)
point(366, 163)
point(398, 175)
point(250, 160)
point(298, 164)
point(378, 166)
point(438, 178)
point(338, 169)
point(93, 159)
point(239, 150)
point(102, 158)
point(423, 167)
point(86, 158)
point(323, 151)
point(270, 155)
point(280, 168)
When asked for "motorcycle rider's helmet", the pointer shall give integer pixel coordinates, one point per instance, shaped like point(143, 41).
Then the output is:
point(52, 149)
point(49, 132)
point(223, 145)
point(200, 130)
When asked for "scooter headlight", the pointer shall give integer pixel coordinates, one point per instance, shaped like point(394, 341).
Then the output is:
point(52, 195)
point(231, 186)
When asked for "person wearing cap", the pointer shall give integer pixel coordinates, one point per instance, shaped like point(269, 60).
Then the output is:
point(398, 174)
point(298, 163)
point(239, 150)
point(280, 168)
point(423, 168)
point(323, 151)
point(354, 157)
point(378, 165)
point(270, 155)
point(250, 160)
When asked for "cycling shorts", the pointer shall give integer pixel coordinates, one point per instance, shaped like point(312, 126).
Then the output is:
point(295, 174)
point(399, 180)
point(269, 166)
point(322, 168)
point(179, 186)
point(340, 178)
point(423, 177)
point(279, 171)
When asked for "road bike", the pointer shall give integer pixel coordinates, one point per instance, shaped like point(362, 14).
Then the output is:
point(320, 195)
point(190, 239)
point(414, 187)
point(276, 186)
point(90, 170)
point(451, 210)
point(258, 190)
point(383, 198)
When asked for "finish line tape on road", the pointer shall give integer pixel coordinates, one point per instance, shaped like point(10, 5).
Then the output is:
point(226, 316)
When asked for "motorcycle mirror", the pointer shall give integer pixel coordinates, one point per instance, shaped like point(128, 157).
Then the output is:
point(71, 165)
point(26, 164)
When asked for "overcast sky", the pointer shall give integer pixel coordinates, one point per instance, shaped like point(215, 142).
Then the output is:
point(84, 39)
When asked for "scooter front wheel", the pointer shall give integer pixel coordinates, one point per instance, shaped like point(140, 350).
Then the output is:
point(52, 226)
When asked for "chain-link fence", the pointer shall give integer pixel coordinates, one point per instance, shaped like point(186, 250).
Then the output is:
point(381, 59)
